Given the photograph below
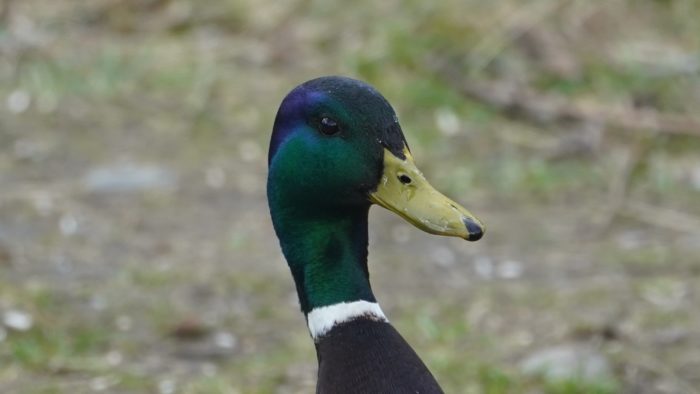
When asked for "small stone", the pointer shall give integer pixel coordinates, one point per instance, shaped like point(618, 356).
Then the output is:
point(166, 386)
point(18, 101)
point(225, 340)
point(18, 320)
point(447, 121)
point(510, 269)
point(567, 362)
point(68, 225)
point(129, 177)
point(484, 267)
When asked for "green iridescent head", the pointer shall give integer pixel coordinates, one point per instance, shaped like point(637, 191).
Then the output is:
point(336, 148)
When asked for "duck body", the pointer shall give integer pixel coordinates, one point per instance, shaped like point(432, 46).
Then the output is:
point(369, 356)
point(336, 149)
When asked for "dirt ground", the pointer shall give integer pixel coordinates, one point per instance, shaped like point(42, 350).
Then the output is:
point(136, 249)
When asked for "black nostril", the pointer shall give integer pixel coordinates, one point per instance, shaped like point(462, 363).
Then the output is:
point(405, 179)
point(475, 230)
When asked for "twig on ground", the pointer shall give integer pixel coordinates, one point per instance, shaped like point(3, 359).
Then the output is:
point(550, 108)
point(519, 101)
point(662, 217)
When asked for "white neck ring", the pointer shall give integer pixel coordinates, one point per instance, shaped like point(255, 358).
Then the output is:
point(321, 320)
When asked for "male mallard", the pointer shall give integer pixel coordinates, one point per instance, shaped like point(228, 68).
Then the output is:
point(337, 148)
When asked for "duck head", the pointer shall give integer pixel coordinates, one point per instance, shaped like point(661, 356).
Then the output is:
point(337, 144)
point(336, 149)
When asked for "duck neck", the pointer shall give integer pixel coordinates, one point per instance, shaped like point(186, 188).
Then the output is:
point(326, 250)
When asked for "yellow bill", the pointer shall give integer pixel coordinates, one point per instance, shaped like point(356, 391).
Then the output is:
point(404, 190)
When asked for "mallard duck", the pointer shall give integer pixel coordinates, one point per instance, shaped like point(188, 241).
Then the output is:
point(336, 149)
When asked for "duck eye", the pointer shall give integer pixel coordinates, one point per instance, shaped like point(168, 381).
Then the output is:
point(329, 126)
point(405, 179)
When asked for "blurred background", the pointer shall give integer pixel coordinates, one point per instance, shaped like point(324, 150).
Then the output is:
point(136, 249)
